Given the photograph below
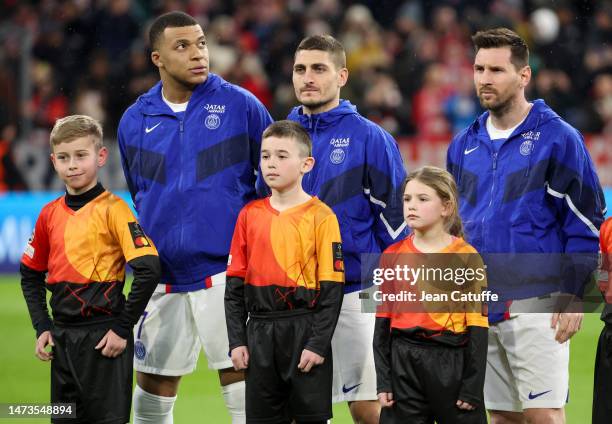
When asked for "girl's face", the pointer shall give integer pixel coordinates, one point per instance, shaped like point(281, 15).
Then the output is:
point(423, 208)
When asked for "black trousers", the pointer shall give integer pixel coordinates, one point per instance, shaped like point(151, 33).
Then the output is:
point(602, 383)
point(101, 387)
point(426, 381)
point(276, 390)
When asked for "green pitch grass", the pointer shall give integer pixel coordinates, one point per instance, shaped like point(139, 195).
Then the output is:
point(25, 379)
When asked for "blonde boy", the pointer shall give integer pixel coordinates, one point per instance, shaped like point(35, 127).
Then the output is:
point(78, 251)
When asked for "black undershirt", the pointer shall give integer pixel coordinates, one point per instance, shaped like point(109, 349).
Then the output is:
point(77, 201)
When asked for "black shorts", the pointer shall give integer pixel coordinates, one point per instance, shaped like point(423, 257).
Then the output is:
point(101, 387)
point(426, 380)
point(276, 390)
point(602, 384)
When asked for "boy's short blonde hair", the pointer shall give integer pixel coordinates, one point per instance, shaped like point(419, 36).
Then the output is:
point(72, 127)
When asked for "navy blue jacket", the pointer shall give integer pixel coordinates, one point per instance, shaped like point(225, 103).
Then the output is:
point(538, 194)
point(358, 173)
point(190, 173)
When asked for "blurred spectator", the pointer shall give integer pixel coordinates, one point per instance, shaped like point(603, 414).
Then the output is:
point(47, 103)
point(428, 104)
point(462, 107)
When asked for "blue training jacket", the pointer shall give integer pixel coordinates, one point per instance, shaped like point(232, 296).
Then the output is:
point(358, 173)
point(538, 193)
point(190, 173)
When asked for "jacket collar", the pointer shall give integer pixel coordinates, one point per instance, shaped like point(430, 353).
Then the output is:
point(324, 119)
point(151, 102)
point(539, 114)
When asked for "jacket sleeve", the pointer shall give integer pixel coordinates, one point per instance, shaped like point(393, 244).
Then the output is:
point(258, 120)
point(33, 268)
point(472, 382)
point(34, 292)
point(385, 176)
point(235, 307)
point(453, 159)
point(147, 274)
point(382, 354)
point(578, 198)
point(126, 164)
point(330, 276)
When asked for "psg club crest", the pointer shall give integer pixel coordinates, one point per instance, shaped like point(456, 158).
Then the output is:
point(526, 147)
point(139, 350)
point(337, 156)
point(212, 121)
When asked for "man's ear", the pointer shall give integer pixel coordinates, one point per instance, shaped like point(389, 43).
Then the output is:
point(342, 77)
point(525, 76)
point(156, 59)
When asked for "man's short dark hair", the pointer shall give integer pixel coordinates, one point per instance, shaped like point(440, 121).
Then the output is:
point(168, 20)
point(503, 37)
point(328, 44)
point(293, 130)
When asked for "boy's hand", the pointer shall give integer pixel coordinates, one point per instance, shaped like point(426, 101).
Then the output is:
point(111, 344)
point(386, 399)
point(309, 359)
point(465, 405)
point(42, 342)
point(240, 358)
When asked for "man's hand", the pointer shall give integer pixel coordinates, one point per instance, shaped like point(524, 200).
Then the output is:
point(42, 342)
point(567, 324)
point(240, 358)
point(386, 399)
point(308, 360)
point(111, 344)
point(465, 405)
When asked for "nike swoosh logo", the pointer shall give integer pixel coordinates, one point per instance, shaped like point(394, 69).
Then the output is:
point(348, 389)
point(467, 152)
point(537, 395)
point(148, 130)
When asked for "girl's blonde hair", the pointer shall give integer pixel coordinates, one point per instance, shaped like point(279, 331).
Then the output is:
point(444, 185)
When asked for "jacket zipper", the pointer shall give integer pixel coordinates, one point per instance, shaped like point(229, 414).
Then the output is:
point(489, 211)
point(180, 185)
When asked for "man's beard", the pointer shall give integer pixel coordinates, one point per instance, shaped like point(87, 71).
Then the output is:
point(495, 105)
point(314, 104)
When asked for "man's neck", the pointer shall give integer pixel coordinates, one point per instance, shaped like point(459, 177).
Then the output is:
point(288, 198)
point(511, 116)
point(176, 92)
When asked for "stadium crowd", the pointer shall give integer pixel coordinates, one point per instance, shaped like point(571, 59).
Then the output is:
point(410, 62)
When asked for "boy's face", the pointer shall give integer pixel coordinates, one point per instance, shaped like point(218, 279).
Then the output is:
point(77, 162)
point(283, 163)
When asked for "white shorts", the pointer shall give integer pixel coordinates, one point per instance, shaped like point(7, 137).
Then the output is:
point(526, 366)
point(354, 372)
point(176, 326)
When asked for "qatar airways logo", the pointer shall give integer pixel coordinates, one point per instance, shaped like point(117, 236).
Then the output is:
point(531, 135)
point(340, 142)
point(215, 108)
